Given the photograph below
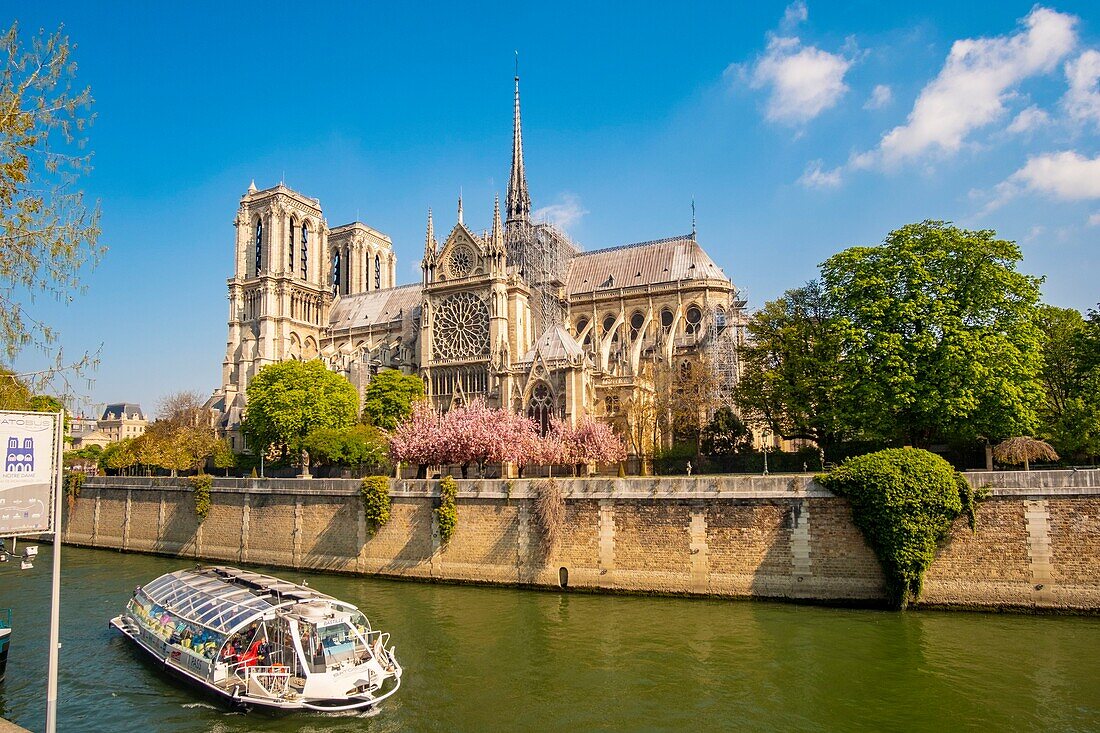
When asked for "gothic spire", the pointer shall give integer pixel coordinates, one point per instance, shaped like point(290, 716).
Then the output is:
point(429, 240)
point(460, 206)
point(498, 228)
point(518, 201)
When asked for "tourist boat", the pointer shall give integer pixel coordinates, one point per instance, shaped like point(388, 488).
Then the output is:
point(5, 638)
point(259, 641)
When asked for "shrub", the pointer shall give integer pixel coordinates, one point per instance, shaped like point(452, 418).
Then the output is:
point(904, 500)
point(549, 513)
point(375, 491)
point(74, 480)
point(200, 488)
point(446, 513)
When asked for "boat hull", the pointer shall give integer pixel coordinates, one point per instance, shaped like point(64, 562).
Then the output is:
point(5, 641)
point(234, 695)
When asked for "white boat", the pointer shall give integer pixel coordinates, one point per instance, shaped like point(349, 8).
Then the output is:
point(261, 641)
point(5, 639)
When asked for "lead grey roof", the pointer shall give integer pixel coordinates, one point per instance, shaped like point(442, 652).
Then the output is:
point(117, 410)
point(645, 263)
point(223, 598)
point(375, 306)
point(555, 344)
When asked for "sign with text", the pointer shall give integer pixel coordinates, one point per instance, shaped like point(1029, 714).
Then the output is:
point(28, 471)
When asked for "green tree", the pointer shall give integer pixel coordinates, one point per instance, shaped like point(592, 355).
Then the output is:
point(792, 377)
point(47, 232)
point(117, 457)
point(725, 434)
point(289, 400)
point(357, 445)
point(941, 338)
point(224, 457)
point(1071, 409)
point(388, 399)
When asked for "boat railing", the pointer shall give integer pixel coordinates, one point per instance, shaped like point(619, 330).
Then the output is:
point(274, 681)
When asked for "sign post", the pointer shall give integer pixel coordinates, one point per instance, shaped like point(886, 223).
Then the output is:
point(30, 503)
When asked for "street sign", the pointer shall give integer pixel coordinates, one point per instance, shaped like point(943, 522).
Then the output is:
point(29, 475)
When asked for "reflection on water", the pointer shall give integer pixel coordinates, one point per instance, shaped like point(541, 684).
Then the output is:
point(500, 659)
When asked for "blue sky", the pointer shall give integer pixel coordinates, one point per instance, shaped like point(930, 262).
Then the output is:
point(799, 129)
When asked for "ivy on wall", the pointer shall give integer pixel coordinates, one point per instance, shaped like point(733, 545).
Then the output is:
point(375, 491)
point(200, 489)
point(904, 501)
point(446, 514)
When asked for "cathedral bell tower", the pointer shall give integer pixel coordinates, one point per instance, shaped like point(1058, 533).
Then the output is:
point(281, 289)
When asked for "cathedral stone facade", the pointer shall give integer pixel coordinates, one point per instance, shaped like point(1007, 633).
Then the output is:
point(517, 314)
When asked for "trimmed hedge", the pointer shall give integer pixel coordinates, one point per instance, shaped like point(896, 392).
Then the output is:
point(904, 500)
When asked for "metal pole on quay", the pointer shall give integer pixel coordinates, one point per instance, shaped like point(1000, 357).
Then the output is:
point(55, 587)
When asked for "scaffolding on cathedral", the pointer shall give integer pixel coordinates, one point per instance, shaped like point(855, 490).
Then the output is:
point(541, 253)
point(726, 334)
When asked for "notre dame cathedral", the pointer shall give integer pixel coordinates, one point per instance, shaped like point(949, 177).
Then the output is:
point(517, 315)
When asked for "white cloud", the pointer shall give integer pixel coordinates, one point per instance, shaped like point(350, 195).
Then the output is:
point(815, 177)
point(970, 91)
point(1068, 176)
point(1094, 219)
point(1082, 100)
point(881, 96)
point(796, 13)
point(804, 80)
point(1028, 120)
point(563, 214)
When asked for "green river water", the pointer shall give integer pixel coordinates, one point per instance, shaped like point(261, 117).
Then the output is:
point(486, 659)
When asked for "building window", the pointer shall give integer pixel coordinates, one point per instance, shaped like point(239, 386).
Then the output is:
point(259, 244)
point(667, 318)
point(336, 272)
point(694, 320)
point(347, 270)
point(366, 273)
point(305, 251)
point(611, 404)
point(290, 245)
point(637, 320)
point(720, 319)
point(377, 273)
point(540, 408)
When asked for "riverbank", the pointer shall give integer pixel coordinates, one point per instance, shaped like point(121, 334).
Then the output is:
point(1036, 547)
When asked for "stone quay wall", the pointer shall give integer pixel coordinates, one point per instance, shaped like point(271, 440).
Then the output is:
point(1037, 544)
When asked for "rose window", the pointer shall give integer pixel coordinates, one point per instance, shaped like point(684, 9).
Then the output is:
point(461, 327)
point(461, 262)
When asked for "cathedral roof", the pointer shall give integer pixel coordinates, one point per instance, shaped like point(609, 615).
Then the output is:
point(645, 263)
point(375, 306)
point(555, 344)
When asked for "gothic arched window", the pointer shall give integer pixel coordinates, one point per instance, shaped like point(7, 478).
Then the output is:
point(346, 271)
point(305, 251)
point(336, 271)
point(377, 273)
point(666, 318)
point(540, 407)
point(290, 244)
point(366, 273)
point(694, 319)
point(259, 243)
point(637, 320)
point(720, 319)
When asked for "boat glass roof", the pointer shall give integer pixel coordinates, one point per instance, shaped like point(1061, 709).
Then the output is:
point(223, 598)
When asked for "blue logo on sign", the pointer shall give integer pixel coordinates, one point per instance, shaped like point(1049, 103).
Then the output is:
point(20, 459)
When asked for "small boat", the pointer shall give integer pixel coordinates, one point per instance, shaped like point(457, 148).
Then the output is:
point(5, 639)
point(259, 641)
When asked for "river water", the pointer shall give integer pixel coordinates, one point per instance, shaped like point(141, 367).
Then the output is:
point(480, 659)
